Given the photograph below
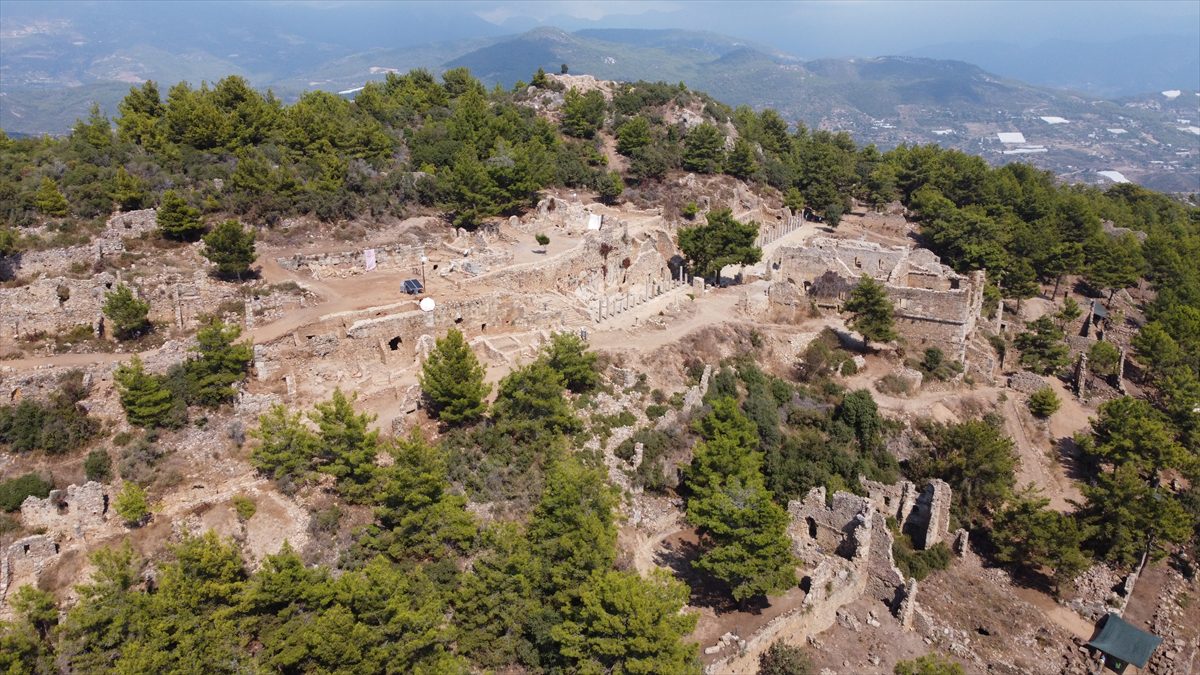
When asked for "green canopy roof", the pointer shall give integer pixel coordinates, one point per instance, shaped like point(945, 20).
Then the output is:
point(1124, 642)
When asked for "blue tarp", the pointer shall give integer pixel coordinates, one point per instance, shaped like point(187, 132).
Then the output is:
point(1125, 643)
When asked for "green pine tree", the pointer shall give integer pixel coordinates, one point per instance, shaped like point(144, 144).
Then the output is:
point(177, 220)
point(218, 364)
point(572, 532)
point(49, 201)
point(610, 186)
point(721, 241)
point(624, 623)
point(745, 533)
point(285, 447)
point(131, 504)
point(872, 311)
point(127, 313)
point(568, 355)
point(530, 402)
point(348, 448)
point(419, 518)
point(704, 149)
point(129, 191)
point(452, 381)
point(742, 161)
point(146, 401)
point(231, 248)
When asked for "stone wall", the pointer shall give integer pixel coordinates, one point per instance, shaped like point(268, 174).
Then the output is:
point(73, 512)
point(935, 307)
point(394, 256)
point(847, 552)
point(22, 563)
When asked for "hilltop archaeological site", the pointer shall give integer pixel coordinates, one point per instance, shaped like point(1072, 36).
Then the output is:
point(325, 310)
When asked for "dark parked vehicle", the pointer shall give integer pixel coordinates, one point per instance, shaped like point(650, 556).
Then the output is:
point(413, 287)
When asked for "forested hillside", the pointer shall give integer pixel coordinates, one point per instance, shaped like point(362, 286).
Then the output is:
point(426, 584)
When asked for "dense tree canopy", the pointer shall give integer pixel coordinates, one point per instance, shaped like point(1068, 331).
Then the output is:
point(721, 241)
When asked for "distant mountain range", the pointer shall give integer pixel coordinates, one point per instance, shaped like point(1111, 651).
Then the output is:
point(885, 100)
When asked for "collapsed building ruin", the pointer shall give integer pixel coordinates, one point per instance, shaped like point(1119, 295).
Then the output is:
point(845, 548)
point(505, 312)
point(63, 517)
point(935, 306)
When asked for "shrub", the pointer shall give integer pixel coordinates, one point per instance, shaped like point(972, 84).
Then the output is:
point(56, 426)
point(784, 659)
point(655, 411)
point(98, 466)
point(131, 504)
point(1044, 402)
point(245, 507)
point(15, 490)
point(893, 385)
point(139, 459)
point(919, 564)
point(930, 664)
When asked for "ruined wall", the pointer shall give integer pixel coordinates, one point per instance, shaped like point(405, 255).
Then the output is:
point(605, 261)
point(803, 264)
point(73, 512)
point(935, 307)
point(52, 305)
point(847, 549)
point(22, 563)
point(394, 256)
point(929, 522)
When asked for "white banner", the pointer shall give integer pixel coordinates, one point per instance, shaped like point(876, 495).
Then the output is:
point(369, 258)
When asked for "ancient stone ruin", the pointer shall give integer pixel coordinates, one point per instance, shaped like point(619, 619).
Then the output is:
point(935, 306)
point(72, 512)
point(845, 548)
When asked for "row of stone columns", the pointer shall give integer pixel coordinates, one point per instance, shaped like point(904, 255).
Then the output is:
point(777, 232)
point(607, 308)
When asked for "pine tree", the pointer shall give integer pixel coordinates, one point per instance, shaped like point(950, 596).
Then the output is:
point(146, 401)
point(49, 201)
point(285, 448)
point(219, 363)
point(177, 220)
point(530, 402)
point(872, 311)
point(348, 447)
point(129, 191)
point(721, 241)
point(452, 381)
point(743, 530)
point(572, 532)
point(1114, 263)
point(610, 186)
point(497, 599)
point(745, 533)
point(582, 114)
point(131, 504)
point(704, 149)
point(568, 355)
point(742, 162)
point(624, 623)
point(1044, 402)
point(1042, 347)
point(127, 313)
point(1028, 534)
point(633, 135)
point(419, 517)
point(231, 248)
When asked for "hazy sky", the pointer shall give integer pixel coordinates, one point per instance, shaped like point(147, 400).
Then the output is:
point(813, 28)
point(865, 27)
